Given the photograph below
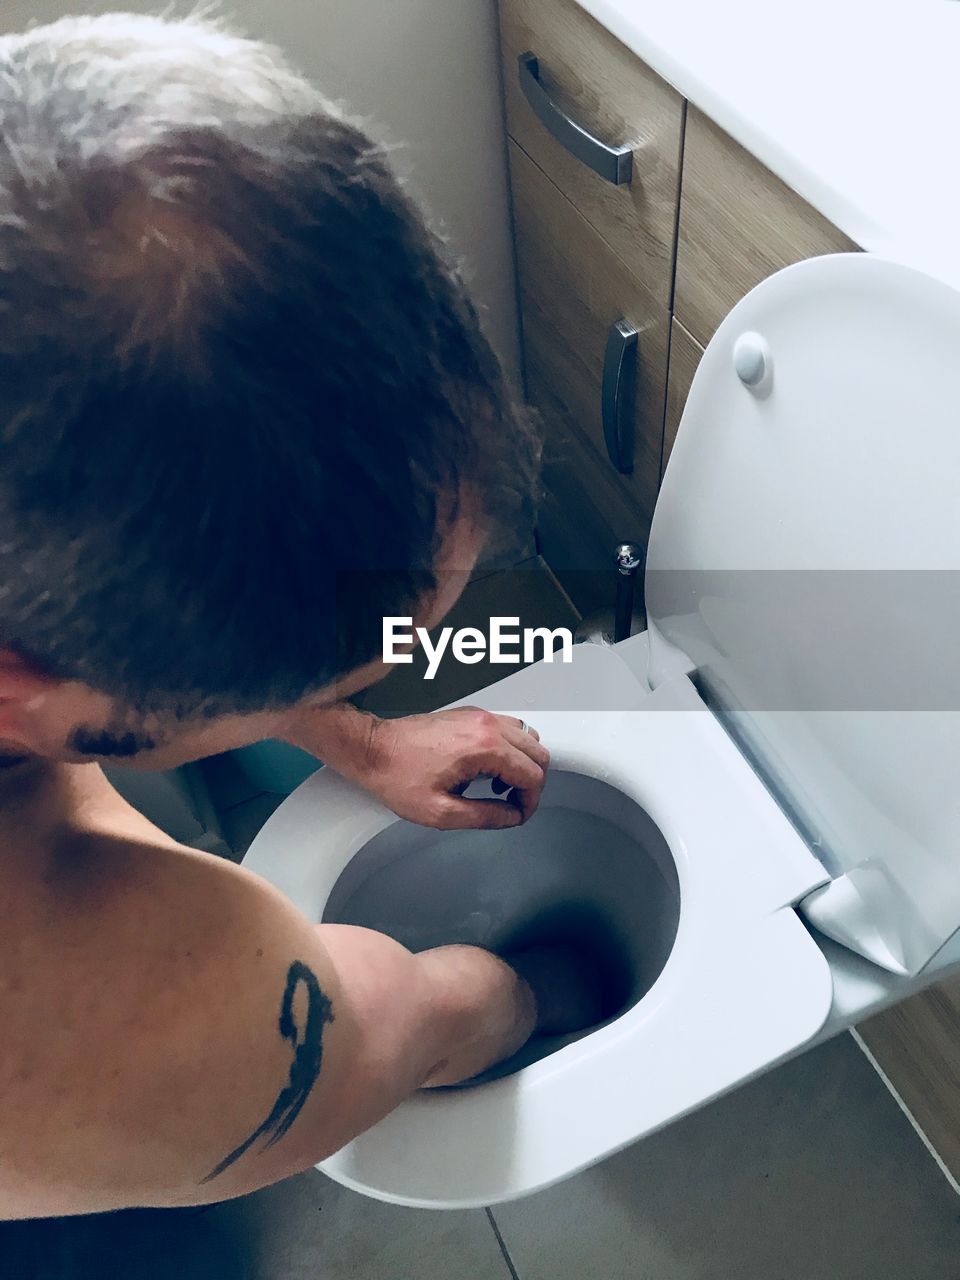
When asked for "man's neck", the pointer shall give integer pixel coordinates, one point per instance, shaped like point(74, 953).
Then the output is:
point(42, 799)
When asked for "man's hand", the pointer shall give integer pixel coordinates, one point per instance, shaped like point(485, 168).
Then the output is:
point(421, 765)
point(424, 763)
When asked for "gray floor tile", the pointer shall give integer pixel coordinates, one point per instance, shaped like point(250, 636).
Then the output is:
point(810, 1173)
point(311, 1229)
point(306, 1228)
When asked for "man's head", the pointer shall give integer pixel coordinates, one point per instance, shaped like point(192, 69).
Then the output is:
point(246, 409)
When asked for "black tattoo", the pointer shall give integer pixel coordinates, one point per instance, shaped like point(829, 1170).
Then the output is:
point(308, 1055)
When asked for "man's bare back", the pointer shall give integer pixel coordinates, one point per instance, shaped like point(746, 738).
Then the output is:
point(175, 1033)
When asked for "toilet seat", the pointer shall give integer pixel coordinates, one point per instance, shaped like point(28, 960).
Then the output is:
point(744, 986)
point(796, 470)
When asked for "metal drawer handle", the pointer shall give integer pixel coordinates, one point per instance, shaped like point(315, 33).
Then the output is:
point(615, 164)
point(617, 394)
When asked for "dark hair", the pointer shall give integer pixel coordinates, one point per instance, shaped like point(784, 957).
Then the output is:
point(238, 382)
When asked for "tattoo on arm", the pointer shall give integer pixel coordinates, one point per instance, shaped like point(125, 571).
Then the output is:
point(307, 1057)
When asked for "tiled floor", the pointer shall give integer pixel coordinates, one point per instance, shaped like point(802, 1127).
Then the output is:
point(811, 1173)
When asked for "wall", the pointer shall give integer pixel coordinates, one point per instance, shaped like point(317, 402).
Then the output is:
point(424, 74)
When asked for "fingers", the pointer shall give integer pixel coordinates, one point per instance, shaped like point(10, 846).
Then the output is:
point(521, 725)
point(527, 741)
point(511, 765)
point(482, 815)
point(512, 723)
point(502, 748)
point(516, 771)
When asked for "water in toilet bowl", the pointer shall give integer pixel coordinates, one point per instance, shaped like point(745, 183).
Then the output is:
point(589, 869)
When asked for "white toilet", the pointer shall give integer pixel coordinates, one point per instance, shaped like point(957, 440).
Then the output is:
point(771, 766)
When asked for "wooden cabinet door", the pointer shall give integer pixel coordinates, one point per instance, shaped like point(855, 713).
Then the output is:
point(594, 80)
point(573, 291)
point(738, 224)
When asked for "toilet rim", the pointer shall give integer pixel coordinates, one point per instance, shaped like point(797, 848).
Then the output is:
point(669, 756)
point(519, 1135)
point(743, 987)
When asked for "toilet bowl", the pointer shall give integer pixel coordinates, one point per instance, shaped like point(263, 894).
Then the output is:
point(717, 983)
point(589, 867)
point(712, 799)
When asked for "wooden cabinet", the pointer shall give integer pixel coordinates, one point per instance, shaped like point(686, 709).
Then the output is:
point(573, 291)
point(583, 515)
point(587, 76)
point(595, 253)
point(738, 224)
point(685, 353)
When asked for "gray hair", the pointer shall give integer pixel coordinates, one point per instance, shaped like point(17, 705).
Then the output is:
point(234, 364)
point(87, 93)
point(120, 80)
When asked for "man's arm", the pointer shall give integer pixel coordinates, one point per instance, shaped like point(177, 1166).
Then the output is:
point(419, 765)
point(173, 1031)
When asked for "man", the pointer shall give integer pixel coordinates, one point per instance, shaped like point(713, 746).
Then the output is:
point(245, 412)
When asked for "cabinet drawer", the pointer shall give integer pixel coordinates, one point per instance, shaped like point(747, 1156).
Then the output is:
point(589, 77)
point(584, 514)
point(685, 354)
point(738, 224)
point(573, 291)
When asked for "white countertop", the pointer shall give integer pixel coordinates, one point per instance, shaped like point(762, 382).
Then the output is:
point(854, 105)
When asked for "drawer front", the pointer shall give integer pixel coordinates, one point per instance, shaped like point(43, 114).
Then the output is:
point(738, 225)
point(583, 514)
point(587, 76)
point(573, 291)
point(685, 355)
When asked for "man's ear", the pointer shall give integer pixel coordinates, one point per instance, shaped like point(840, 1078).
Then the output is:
point(22, 685)
point(20, 680)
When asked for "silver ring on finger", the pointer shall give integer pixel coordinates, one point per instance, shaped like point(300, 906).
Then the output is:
point(524, 727)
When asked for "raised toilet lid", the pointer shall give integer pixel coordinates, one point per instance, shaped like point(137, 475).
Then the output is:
point(804, 558)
